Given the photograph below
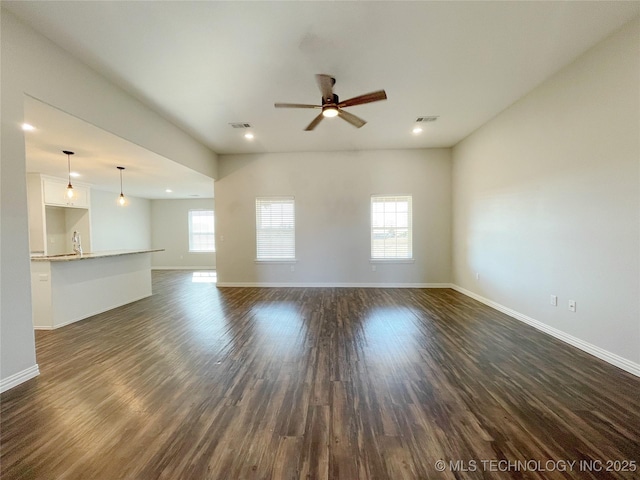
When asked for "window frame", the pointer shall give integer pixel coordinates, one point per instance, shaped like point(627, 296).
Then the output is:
point(192, 233)
point(385, 198)
point(275, 199)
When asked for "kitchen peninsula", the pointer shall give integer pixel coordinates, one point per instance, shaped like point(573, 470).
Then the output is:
point(69, 288)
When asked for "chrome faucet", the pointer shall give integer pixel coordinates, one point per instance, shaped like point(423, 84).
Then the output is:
point(77, 248)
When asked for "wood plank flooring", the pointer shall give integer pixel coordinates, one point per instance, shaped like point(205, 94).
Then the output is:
point(197, 382)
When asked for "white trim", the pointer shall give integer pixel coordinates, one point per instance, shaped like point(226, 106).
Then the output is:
point(18, 378)
point(201, 267)
point(392, 260)
point(612, 358)
point(333, 285)
point(275, 261)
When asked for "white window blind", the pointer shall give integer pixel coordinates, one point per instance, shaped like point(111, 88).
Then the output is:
point(201, 231)
point(391, 235)
point(275, 228)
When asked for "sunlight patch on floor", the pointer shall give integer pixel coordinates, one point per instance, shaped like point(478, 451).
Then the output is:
point(204, 277)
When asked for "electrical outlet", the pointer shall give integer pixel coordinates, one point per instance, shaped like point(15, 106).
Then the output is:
point(572, 305)
point(293, 268)
point(554, 300)
point(477, 276)
point(373, 268)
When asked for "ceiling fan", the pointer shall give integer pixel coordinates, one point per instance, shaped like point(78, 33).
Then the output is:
point(332, 106)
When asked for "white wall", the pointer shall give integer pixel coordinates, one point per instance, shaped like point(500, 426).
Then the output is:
point(37, 236)
point(332, 199)
point(33, 65)
point(57, 232)
point(170, 230)
point(119, 228)
point(546, 201)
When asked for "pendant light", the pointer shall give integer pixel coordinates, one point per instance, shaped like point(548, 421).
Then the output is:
point(70, 193)
point(122, 200)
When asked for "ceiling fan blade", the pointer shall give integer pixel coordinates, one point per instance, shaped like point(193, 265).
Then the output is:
point(366, 98)
point(351, 118)
point(325, 82)
point(295, 105)
point(314, 123)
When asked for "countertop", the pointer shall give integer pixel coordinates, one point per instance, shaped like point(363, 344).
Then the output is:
point(88, 256)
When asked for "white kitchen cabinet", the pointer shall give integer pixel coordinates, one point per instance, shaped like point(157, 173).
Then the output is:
point(55, 193)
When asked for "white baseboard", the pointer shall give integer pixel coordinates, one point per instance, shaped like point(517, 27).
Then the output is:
point(333, 285)
point(208, 267)
point(594, 350)
point(18, 378)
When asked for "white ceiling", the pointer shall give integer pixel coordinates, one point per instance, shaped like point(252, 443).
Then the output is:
point(205, 64)
point(97, 154)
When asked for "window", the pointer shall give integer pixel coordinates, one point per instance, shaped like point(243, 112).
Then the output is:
point(391, 235)
point(275, 228)
point(201, 231)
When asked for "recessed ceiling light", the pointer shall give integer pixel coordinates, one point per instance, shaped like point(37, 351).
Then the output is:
point(248, 136)
point(74, 174)
point(168, 190)
point(28, 128)
point(417, 130)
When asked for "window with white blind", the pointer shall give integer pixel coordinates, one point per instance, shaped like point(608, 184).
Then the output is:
point(202, 236)
point(391, 235)
point(275, 228)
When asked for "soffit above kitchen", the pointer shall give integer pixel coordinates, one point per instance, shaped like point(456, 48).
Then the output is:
point(97, 153)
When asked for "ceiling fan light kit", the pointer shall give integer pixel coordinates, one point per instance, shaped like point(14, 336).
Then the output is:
point(332, 106)
point(329, 112)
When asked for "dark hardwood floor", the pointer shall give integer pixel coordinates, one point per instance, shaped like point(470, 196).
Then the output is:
point(197, 382)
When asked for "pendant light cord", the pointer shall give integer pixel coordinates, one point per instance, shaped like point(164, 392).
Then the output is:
point(68, 154)
point(121, 199)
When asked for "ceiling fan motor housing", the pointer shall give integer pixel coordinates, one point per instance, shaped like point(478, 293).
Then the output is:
point(329, 101)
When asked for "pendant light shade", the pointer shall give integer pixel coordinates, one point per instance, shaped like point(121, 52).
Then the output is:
point(122, 200)
point(70, 194)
